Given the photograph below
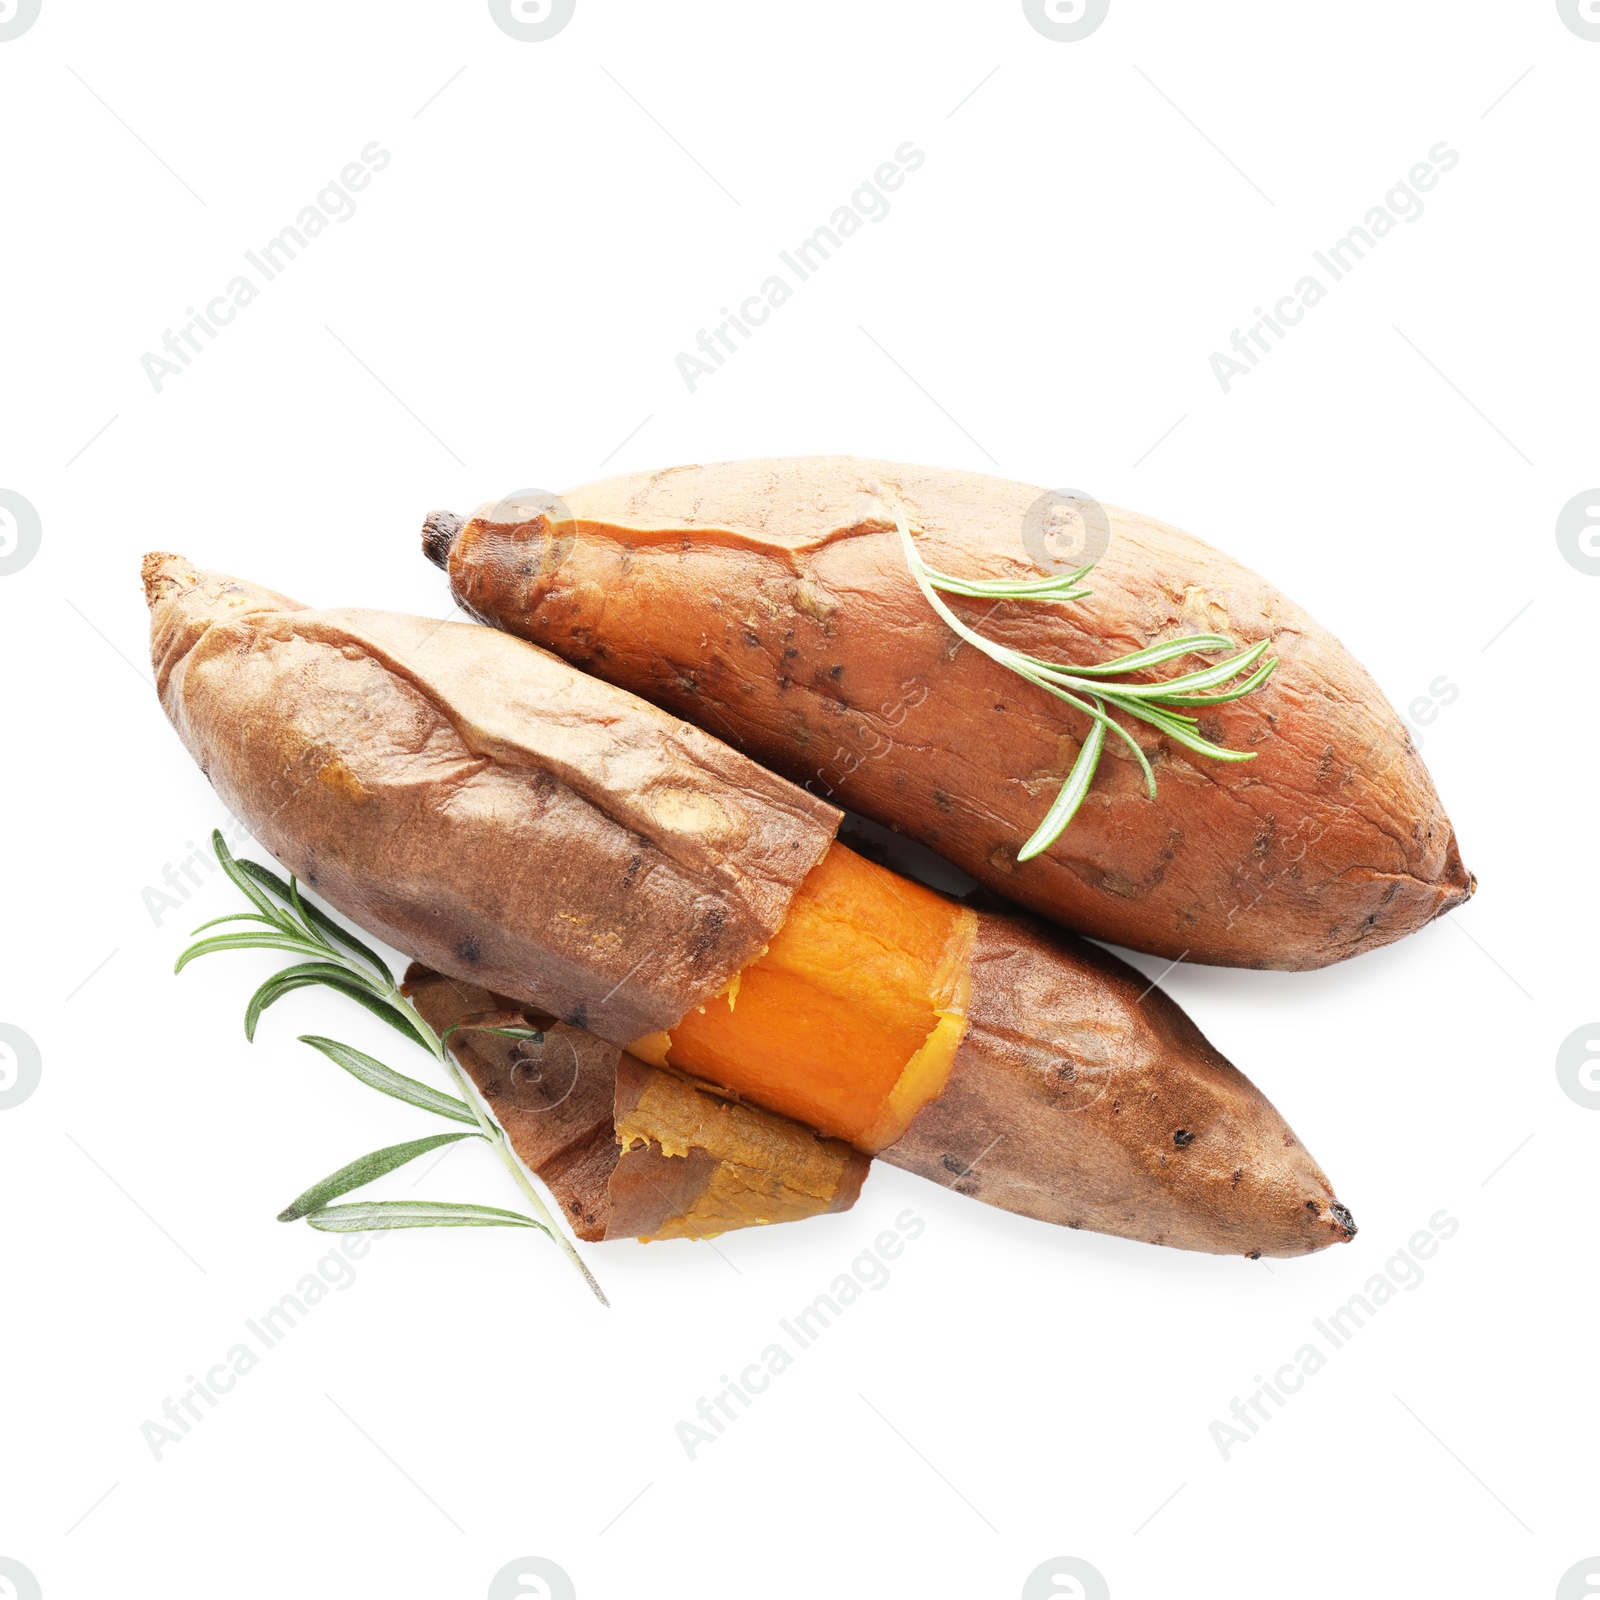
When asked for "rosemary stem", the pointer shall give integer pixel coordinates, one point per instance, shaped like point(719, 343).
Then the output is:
point(493, 1132)
point(1090, 689)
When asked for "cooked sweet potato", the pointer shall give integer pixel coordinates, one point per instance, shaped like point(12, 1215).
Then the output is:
point(770, 602)
point(482, 806)
point(629, 1151)
point(527, 829)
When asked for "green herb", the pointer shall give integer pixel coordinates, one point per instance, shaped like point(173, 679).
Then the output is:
point(1088, 689)
point(387, 1081)
point(338, 960)
point(413, 1214)
point(360, 1173)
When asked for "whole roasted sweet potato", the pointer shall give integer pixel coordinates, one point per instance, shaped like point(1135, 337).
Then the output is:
point(770, 602)
point(537, 833)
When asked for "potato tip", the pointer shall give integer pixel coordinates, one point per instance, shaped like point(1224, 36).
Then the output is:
point(159, 571)
point(439, 530)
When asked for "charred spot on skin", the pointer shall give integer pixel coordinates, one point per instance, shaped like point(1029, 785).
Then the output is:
point(1182, 1137)
point(1238, 1175)
point(708, 936)
point(633, 871)
point(578, 1017)
point(1341, 1215)
point(752, 640)
point(790, 653)
point(470, 951)
point(1252, 1255)
point(943, 801)
point(836, 672)
point(1313, 1208)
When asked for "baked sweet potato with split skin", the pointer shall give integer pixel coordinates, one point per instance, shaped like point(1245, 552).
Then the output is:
point(482, 806)
point(627, 1150)
point(530, 830)
point(769, 601)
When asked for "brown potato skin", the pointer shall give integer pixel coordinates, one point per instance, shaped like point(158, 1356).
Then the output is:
point(1119, 1116)
point(479, 804)
point(769, 602)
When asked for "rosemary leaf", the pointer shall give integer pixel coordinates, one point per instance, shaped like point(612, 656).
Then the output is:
point(242, 881)
point(1190, 682)
point(387, 1081)
point(343, 980)
point(1179, 729)
point(368, 1214)
point(1237, 692)
point(318, 923)
point(239, 916)
point(536, 1035)
point(247, 941)
point(1066, 803)
point(1156, 655)
point(364, 1171)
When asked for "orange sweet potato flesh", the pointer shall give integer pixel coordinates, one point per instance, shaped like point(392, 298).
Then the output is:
point(868, 974)
point(769, 602)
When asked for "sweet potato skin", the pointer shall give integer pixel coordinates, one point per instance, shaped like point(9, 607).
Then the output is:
point(1119, 1116)
point(769, 602)
point(480, 805)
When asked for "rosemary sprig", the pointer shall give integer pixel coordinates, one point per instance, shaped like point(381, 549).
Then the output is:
point(336, 959)
point(1089, 690)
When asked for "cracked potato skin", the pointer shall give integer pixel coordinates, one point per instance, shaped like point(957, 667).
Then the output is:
point(478, 804)
point(769, 602)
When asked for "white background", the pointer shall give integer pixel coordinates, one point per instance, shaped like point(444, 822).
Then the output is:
point(503, 310)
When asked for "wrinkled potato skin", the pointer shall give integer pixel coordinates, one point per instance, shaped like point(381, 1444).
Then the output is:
point(481, 806)
point(1063, 1104)
point(769, 602)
